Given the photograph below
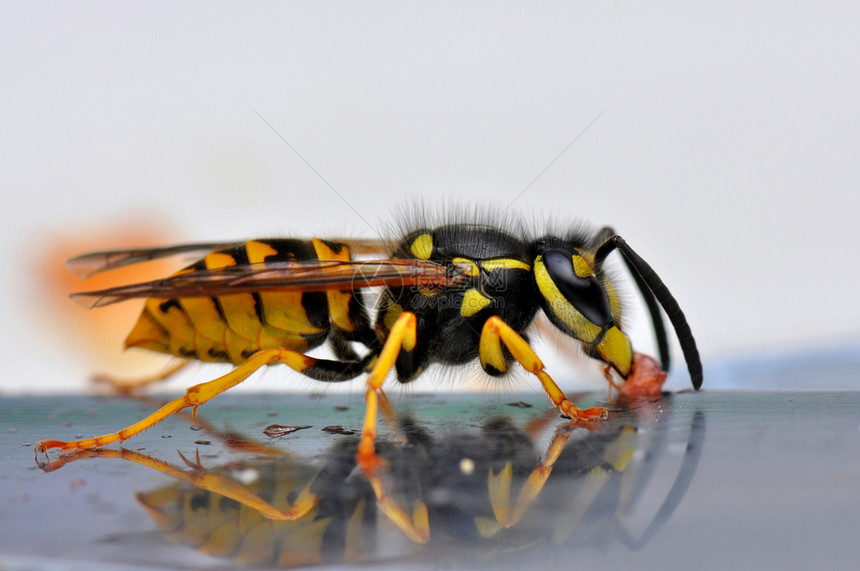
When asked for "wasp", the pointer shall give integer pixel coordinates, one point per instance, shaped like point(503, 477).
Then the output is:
point(450, 294)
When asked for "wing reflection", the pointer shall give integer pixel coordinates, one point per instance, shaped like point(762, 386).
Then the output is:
point(495, 493)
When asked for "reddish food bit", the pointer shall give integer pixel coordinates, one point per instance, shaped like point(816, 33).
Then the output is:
point(646, 380)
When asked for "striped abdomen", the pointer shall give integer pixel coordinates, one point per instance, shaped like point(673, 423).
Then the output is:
point(233, 327)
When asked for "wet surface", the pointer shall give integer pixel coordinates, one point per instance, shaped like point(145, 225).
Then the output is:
point(712, 480)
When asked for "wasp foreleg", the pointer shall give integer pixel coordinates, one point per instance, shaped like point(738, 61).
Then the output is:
point(496, 332)
point(499, 485)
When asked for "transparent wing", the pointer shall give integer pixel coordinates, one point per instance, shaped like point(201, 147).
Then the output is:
point(92, 263)
point(283, 276)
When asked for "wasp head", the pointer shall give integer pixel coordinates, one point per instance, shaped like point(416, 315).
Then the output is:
point(581, 301)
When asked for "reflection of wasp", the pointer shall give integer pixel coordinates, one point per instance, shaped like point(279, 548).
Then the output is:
point(450, 294)
point(489, 496)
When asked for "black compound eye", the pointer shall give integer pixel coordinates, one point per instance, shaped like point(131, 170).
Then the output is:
point(586, 294)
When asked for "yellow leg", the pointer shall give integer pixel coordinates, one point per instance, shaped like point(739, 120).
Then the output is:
point(618, 455)
point(401, 337)
point(129, 386)
point(194, 397)
point(304, 502)
point(198, 477)
point(495, 332)
point(500, 484)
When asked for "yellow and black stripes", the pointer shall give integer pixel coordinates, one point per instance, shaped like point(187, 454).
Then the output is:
point(583, 303)
point(496, 281)
point(233, 327)
point(345, 310)
point(492, 273)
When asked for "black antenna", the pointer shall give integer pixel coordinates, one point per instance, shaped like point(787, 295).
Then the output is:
point(653, 287)
point(604, 236)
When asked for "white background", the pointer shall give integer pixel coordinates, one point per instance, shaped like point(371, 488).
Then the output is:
point(723, 144)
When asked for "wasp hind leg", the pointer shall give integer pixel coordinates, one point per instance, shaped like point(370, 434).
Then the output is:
point(204, 479)
point(496, 332)
point(332, 371)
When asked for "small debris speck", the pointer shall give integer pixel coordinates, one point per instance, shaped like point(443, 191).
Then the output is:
point(520, 404)
point(337, 429)
point(167, 436)
point(203, 442)
point(65, 424)
point(196, 427)
point(278, 430)
point(341, 407)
